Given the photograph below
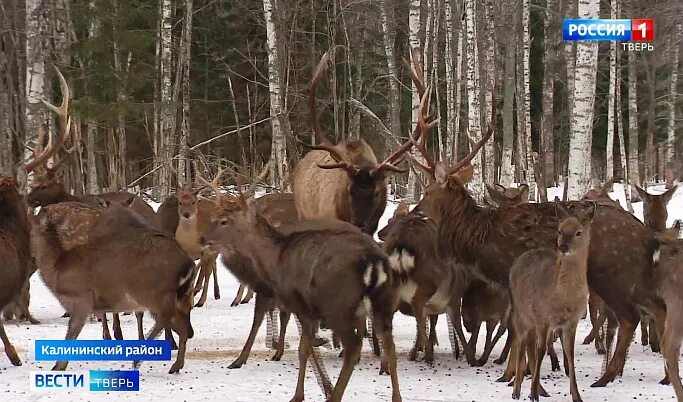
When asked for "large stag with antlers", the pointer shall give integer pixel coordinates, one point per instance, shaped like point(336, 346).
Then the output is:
point(344, 181)
point(618, 267)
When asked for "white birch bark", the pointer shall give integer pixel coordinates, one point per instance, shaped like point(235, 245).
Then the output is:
point(526, 50)
point(91, 127)
point(184, 59)
point(120, 67)
point(36, 32)
point(620, 133)
point(671, 122)
point(414, 41)
point(489, 68)
point(613, 87)
point(436, 34)
point(580, 141)
point(167, 113)
point(507, 169)
point(450, 80)
point(633, 151)
point(474, 115)
point(459, 62)
point(278, 120)
point(570, 60)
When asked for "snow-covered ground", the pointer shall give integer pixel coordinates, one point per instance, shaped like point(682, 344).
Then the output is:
point(220, 331)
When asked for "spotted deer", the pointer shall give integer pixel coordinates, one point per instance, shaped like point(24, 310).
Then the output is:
point(504, 196)
point(319, 269)
point(15, 253)
point(549, 289)
point(488, 240)
point(109, 261)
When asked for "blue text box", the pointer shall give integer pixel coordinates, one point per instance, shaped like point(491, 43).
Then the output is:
point(101, 350)
point(596, 29)
point(114, 380)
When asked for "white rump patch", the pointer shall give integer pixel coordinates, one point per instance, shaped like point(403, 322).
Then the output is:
point(367, 276)
point(381, 275)
point(407, 261)
point(655, 256)
point(395, 261)
point(185, 278)
point(407, 291)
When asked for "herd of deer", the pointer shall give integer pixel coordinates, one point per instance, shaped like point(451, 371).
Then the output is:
point(529, 268)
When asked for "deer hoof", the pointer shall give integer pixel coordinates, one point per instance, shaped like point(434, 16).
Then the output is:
point(59, 366)
point(665, 381)
point(542, 392)
point(276, 357)
point(234, 304)
point(533, 397)
point(384, 368)
point(499, 361)
point(199, 304)
point(515, 395)
point(599, 384)
point(318, 341)
point(503, 378)
point(235, 365)
point(13, 356)
point(175, 368)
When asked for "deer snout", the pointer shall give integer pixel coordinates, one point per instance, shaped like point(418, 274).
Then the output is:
point(564, 249)
point(186, 215)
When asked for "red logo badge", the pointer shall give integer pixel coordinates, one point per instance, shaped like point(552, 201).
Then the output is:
point(643, 29)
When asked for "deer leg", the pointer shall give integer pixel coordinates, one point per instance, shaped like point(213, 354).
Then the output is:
point(616, 364)
point(429, 348)
point(153, 334)
point(383, 326)
point(474, 338)
point(490, 341)
point(644, 335)
point(541, 346)
point(106, 335)
point(280, 347)
point(260, 308)
point(671, 350)
point(116, 326)
point(518, 358)
point(554, 361)
point(216, 288)
point(305, 348)
point(138, 317)
point(9, 349)
point(181, 325)
point(249, 296)
point(455, 315)
point(506, 349)
point(76, 323)
point(593, 314)
point(511, 366)
point(206, 268)
point(238, 296)
point(654, 338)
point(568, 337)
point(352, 345)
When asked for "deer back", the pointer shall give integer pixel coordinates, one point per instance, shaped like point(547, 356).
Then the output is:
point(505, 196)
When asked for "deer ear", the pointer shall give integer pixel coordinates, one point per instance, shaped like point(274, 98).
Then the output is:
point(524, 191)
point(497, 187)
point(641, 193)
point(465, 174)
point(561, 212)
point(668, 194)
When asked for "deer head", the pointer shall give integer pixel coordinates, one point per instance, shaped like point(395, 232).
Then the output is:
point(572, 235)
point(654, 208)
point(504, 196)
point(365, 194)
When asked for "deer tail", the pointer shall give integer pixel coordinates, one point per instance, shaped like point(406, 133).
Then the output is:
point(402, 261)
point(374, 270)
point(185, 279)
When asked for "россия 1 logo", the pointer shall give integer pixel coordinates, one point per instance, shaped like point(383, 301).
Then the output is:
point(623, 30)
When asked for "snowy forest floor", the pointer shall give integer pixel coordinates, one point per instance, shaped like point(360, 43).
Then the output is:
point(220, 332)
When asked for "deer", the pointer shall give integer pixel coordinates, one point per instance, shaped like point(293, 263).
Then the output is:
point(110, 261)
point(503, 196)
point(601, 194)
point(15, 252)
point(428, 286)
point(655, 215)
point(549, 288)
point(319, 269)
point(488, 240)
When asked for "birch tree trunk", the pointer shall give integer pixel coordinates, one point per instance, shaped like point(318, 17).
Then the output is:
point(507, 169)
point(451, 81)
point(436, 34)
point(167, 113)
point(580, 141)
point(414, 41)
point(121, 66)
point(473, 111)
point(570, 61)
point(526, 108)
point(671, 123)
point(489, 156)
point(548, 134)
point(613, 87)
point(388, 38)
point(278, 120)
point(649, 162)
point(624, 170)
point(633, 151)
point(91, 125)
point(36, 32)
point(184, 60)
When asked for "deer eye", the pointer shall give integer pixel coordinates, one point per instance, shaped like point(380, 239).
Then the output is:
point(224, 221)
point(578, 234)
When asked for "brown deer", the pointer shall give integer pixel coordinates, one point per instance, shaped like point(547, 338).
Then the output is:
point(601, 195)
point(549, 290)
point(655, 215)
point(488, 240)
point(15, 252)
point(113, 261)
point(429, 286)
point(668, 264)
point(504, 196)
point(319, 269)
point(344, 181)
